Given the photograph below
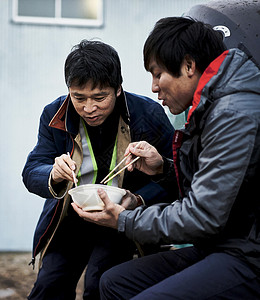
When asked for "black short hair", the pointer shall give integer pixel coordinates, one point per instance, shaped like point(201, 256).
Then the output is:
point(173, 38)
point(93, 61)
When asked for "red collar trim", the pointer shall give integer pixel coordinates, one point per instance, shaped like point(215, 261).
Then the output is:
point(210, 71)
point(58, 121)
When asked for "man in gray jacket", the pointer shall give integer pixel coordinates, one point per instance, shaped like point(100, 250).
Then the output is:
point(216, 160)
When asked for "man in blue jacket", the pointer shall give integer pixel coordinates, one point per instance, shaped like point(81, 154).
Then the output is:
point(216, 159)
point(94, 124)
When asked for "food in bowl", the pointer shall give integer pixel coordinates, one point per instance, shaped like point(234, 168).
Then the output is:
point(86, 196)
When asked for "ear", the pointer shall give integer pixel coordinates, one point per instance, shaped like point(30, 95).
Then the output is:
point(189, 65)
point(118, 92)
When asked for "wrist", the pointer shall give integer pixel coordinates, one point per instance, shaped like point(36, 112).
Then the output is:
point(161, 167)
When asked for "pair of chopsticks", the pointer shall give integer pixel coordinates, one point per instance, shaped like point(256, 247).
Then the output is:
point(107, 178)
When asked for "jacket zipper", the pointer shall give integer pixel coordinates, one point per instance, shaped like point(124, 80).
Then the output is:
point(177, 141)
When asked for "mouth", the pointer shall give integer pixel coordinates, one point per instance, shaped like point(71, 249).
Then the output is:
point(92, 119)
point(163, 102)
point(160, 98)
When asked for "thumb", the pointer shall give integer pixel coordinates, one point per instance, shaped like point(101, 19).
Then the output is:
point(103, 196)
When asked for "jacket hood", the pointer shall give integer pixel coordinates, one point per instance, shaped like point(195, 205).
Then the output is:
point(238, 73)
point(232, 72)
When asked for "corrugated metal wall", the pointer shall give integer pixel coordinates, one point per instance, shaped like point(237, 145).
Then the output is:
point(31, 75)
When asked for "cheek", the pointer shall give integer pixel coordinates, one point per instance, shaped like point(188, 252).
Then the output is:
point(170, 91)
point(104, 105)
point(166, 84)
point(78, 107)
point(107, 105)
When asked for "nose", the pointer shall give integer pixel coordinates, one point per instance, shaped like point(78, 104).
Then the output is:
point(89, 106)
point(155, 86)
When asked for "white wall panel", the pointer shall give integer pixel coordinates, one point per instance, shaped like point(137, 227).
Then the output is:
point(31, 75)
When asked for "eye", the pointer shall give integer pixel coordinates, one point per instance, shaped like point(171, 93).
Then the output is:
point(156, 75)
point(99, 99)
point(79, 98)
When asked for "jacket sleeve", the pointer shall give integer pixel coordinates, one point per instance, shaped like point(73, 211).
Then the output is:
point(40, 160)
point(227, 143)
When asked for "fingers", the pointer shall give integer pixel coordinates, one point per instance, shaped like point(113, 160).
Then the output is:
point(137, 149)
point(150, 162)
point(71, 163)
point(107, 217)
point(129, 201)
point(92, 217)
point(63, 168)
point(78, 210)
point(135, 146)
point(127, 151)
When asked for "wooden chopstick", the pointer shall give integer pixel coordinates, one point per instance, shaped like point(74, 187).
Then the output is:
point(103, 180)
point(115, 168)
point(73, 173)
point(110, 178)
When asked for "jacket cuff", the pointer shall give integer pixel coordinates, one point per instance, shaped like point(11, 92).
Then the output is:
point(60, 190)
point(122, 220)
point(167, 163)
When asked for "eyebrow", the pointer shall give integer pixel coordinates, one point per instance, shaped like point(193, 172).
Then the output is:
point(94, 95)
point(76, 94)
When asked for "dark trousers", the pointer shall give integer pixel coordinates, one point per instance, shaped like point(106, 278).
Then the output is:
point(78, 244)
point(183, 274)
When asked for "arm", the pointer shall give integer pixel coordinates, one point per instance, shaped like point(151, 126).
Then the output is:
point(156, 129)
point(41, 163)
point(228, 138)
point(227, 143)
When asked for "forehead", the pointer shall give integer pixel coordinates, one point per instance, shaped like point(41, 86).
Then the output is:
point(89, 88)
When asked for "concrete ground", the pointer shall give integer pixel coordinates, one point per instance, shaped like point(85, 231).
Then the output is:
point(17, 278)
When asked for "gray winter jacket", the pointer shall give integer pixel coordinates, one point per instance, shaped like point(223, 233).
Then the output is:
point(217, 159)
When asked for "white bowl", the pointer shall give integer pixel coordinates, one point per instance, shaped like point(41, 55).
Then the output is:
point(86, 196)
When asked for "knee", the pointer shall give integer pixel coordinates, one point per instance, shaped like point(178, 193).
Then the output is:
point(109, 285)
point(114, 283)
point(104, 284)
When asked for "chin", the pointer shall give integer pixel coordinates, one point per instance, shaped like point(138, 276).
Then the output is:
point(175, 111)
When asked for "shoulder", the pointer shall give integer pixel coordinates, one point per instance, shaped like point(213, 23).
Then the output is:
point(147, 113)
point(51, 109)
point(132, 97)
point(137, 103)
point(54, 105)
